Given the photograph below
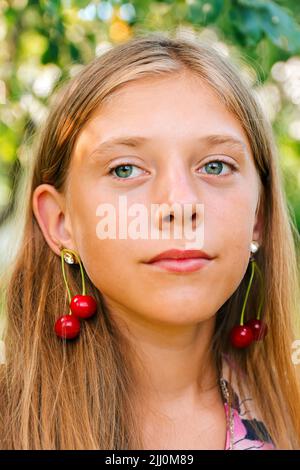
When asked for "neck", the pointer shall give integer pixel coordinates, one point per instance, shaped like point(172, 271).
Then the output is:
point(174, 362)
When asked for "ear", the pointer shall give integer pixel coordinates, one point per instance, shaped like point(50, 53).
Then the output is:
point(49, 209)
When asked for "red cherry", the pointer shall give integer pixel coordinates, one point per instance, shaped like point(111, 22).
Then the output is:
point(67, 326)
point(241, 336)
point(83, 306)
point(259, 328)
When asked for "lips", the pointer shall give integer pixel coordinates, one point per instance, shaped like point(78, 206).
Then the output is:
point(180, 255)
point(180, 261)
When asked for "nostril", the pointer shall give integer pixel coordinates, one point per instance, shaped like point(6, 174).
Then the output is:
point(195, 218)
point(169, 218)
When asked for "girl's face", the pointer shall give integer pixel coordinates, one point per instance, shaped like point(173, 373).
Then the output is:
point(175, 115)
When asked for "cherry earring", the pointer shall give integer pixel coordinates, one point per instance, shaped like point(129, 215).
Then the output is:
point(259, 328)
point(243, 335)
point(81, 306)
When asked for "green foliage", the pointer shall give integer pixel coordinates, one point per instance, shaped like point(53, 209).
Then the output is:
point(43, 41)
point(255, 19)
point(204, 13)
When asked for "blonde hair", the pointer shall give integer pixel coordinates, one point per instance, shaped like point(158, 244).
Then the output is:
point(79, 395)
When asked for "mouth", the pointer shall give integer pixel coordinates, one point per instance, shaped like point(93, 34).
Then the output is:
point(179, 261)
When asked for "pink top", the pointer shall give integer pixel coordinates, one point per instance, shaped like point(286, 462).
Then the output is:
point(245, 437)
point(244, 434)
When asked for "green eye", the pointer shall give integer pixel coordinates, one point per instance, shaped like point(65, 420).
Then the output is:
point(215, 167)
point(123, 171)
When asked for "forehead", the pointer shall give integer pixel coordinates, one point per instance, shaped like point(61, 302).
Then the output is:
point(168, 110)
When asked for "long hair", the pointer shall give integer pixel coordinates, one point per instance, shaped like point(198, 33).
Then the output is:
point(79, 395)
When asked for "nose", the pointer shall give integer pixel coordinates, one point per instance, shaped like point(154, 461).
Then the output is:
point(177, 194)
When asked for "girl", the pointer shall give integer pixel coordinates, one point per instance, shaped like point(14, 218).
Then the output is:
point(116, 342)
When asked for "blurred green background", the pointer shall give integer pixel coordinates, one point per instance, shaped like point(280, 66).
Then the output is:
point(45, 42)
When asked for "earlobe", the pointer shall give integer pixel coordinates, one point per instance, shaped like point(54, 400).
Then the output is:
point(49, 210)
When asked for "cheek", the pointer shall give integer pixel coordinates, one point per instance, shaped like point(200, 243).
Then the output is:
point(228, 229)
point(229, 220)
point(106, 261)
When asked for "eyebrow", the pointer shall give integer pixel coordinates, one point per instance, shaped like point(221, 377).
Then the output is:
point(138, 141)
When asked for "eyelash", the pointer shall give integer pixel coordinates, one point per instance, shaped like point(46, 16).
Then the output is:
point(233, 167)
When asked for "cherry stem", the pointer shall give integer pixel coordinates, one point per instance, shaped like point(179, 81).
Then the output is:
point(261, 292)
point(64, 276)
point(247, 293)
point(67, 250)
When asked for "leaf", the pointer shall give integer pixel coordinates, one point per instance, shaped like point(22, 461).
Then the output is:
point(51, 54)
point(80, 3)
point(74, 52)
point(7, 144)
point(10, 15)
point(31, 43)
point(257, 18)
point(245, 22)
